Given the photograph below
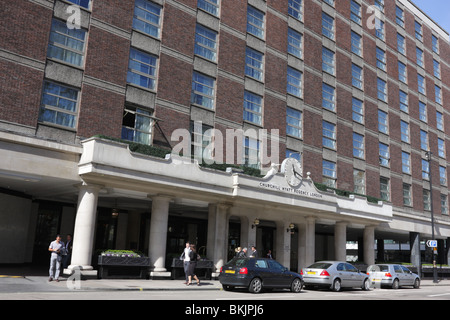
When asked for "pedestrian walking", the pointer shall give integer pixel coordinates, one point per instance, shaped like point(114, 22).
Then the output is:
point(194, 257)
point(56, 248)
point(185, 256)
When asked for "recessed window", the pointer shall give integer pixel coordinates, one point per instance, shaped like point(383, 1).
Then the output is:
point(404, 129)
point(255, 22)
point(382, 90)
point(356, 40)
point(67, 45)
point(294, 122)
point(252, 108)
point(406, 163)
point(426, 200)
point(418, 31)
point(383, 123)
point(82, 3)
point(358, 145)
point(203, 88)
point(59, 105)
point(385, 193)
point(357, 110)
point(402, 72)
point(357, 76)
point(251, 153)
point(401, 46)
point(381, 59)
point(423, 111)
point(328, 60)
point(205, 43)
point(407, 195)
point(355, 12)
point(294, 82)
point(384, 154)
point(359, 182)
point(137, 125)
point(211, 6)
point(327, 26)
point(295, 9)
point(254, 64)
point(403, 101)
point(399, 16)
point(142, 69)
point(295, 43)
point(328, 97)
point(147, 18)
point(328, 135)
point(329, 173)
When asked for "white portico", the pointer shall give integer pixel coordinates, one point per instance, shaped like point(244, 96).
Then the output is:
point(229, 196)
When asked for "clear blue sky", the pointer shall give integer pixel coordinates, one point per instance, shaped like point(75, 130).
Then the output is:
point(438, 10)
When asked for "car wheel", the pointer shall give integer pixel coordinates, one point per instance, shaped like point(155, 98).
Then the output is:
point(336, 285)
point(296, 285)
point(366, 285)
point(417, 284)
point(395, 284)
point(255, 286)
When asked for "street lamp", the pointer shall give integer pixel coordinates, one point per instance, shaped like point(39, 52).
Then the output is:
point(428, 154)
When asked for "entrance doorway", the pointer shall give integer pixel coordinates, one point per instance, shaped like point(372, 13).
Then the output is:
point(265, 236)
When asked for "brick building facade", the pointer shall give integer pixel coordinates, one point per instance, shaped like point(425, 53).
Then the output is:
point(342, 86)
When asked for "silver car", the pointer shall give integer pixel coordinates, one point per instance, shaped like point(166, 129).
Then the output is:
point(393, 276)
point(335, 275)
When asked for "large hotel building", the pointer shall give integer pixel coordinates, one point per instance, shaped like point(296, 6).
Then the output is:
point(93, 92)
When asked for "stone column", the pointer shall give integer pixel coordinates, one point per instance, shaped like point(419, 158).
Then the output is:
point(416, 260)
point(158, 232)
point(85, 227)
point(212, 208)
point(283, 244)
point(369, 245)
point(306, 243)
point(221, 236)
point(340, 241)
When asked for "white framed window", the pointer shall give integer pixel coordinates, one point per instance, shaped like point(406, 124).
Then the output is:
point(419, 57)
point(401, 47)
point(67, 45)
point(205, 43)
point(203, 88)
point(423, 112)
point(142, 69)
point(437, 69)
point(147, 18)
point(379, 31)
point(382, 90)
point(385, 193)
point(418, 31)
point(357, 110)
point(426, 200)
point(329, 135)
point(438, 94)
point(295, 43)
point(253, 108)
point(211, 6)
point(404, 129)
point(380, 5)
point(444, 204)
point(357, 76)
point(403, 101)
point(399, 16)
point(441, 148)
point(381, 59)
point(137, 125)
point(424, 140)
point(295, 9)
point(327, 26)
point(384, 154)
point(254, 64)
point(439, 121)
point(443, 175)
point(402, 72)
point(358, 145)
point(425, 170)
point(407, 195)
point(328, 60)
point(328, 97)
point(251, 153)
point(435, 42)
point(356, 40)
point(329, 173)
point(383, 123)
point(406, 163)
point(421, 84)
point(355, 12)
point(294, 82)
point(59, 105)
point(294, 123)
point(255, 22)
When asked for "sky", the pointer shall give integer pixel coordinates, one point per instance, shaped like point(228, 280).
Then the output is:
point(438, 10)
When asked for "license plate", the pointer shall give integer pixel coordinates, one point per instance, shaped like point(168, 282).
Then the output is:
point(230, 271)
point(376, 280)
point(311, 272)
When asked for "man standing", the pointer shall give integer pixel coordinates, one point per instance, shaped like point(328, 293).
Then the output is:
point(56, 247)
point(186, 260)
point(254, 253)
point(67, 254)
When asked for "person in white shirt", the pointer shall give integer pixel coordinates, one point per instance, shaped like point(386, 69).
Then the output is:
point(56, 248)
point(186, 259)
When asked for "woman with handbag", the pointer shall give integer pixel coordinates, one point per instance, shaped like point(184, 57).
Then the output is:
point(194, 257)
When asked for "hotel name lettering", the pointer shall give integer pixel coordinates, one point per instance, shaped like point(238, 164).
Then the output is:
point(290, 190)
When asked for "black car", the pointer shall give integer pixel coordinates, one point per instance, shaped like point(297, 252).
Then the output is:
point(257, 274)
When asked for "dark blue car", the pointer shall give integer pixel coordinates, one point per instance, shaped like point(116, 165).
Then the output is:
point(257, 274)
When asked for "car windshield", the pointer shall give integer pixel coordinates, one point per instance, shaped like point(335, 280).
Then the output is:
point(320, 265)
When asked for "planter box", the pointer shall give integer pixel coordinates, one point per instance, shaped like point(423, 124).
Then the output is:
point(205, 266)
point(123, 267)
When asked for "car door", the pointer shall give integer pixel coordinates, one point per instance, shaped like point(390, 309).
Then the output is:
point(279, 275)
point(400, 275)
point(344, 275)
point(356, 278)
point(261, 269)
point(409, 277)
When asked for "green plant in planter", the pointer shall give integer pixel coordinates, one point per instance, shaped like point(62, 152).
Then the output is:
point(122, 253)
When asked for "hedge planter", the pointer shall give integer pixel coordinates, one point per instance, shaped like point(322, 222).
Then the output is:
point(123, 267)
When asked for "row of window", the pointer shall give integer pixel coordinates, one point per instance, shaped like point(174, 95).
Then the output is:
point(359, 182)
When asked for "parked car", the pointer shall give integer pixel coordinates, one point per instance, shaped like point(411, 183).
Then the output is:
point(393, 276)
point(335, 275)
point(257, 274)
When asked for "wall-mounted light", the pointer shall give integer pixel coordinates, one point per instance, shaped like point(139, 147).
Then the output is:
point(115, 213)
point(290, 228)
point(255, 223)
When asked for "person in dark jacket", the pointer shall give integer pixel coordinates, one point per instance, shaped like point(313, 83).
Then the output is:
point(193, 258)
